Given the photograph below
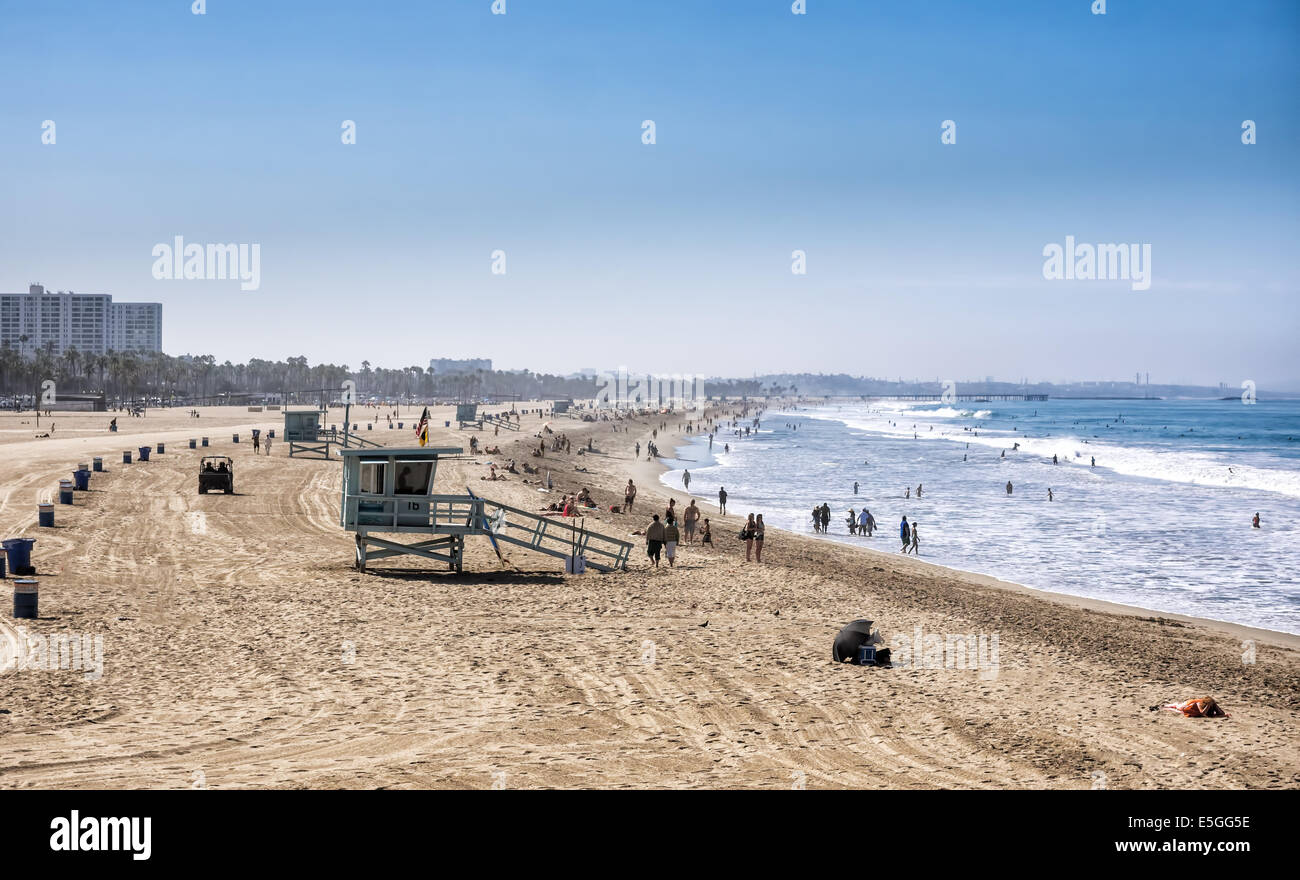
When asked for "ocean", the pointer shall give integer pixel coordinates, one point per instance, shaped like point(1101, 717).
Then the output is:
point(1162, 521)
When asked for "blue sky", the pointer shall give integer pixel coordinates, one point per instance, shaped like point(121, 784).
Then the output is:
point(775, 132)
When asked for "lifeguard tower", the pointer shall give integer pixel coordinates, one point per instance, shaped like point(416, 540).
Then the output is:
point(561, 407)
point(389, 492)
point(308, 438)
point(467, 414)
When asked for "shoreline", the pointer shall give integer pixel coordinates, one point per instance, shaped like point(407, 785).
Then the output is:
point(1240, 630)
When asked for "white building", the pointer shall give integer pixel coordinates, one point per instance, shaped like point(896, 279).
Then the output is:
point(91, 323)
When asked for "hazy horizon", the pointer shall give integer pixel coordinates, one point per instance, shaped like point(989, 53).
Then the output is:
point(775, 133)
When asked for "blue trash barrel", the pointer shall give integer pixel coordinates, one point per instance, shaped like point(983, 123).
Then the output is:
point(160, 449)
point(144, 453)
point(126, 456)
point(205, 441)
point(45, 514)
point(193, 443)
point(65, 491)
point(26, 599)
point(235, 438)
point(400, 424)
point(369, 427)
point(354, 427)
point(113, 428)
point(257, 432)
point(390, 426)
point(99, 463)
point(271, 433)
point(19, 551)
point(82, 479)
point(446, 424)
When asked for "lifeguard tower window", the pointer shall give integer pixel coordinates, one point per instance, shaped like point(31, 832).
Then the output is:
point(414, 478)
point(372, 477)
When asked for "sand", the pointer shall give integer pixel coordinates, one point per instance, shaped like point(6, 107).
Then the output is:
point(242, 649)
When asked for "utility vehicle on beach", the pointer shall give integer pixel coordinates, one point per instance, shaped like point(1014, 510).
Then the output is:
point(217, 472)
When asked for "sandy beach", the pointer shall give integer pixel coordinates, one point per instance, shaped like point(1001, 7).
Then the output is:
point(241, 648)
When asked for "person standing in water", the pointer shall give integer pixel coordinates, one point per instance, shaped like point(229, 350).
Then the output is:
point(1254, 523)
point(686, 480)
point(905, 532)
point(722, 500)
point(1049, 493)
point(1008, 487)
point(918, 490)
point(855, 487)
point(916, 541)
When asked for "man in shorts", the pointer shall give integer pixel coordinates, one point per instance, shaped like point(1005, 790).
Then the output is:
point(690, 516)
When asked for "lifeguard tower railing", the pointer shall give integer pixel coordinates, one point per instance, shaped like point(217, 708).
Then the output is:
point(555, 537)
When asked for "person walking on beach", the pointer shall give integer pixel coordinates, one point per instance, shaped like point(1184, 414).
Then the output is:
point(826, 518)
point(759, 529)
point(671, 537)
point(722, 500)
point(629, 495)
point(690, 516)
point(638, 449)
point(905, 532)
point(747, 535)
point(686, 480)
point(268, 445)
point(654, 539)
point(916, 541)
point(257, 447)
point(817, 520)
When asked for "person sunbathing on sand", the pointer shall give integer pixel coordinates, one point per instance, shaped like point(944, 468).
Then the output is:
point(1198, 707)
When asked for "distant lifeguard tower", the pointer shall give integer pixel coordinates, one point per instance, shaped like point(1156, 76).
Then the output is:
point(389, 492)
point(308, 438)
point(467, 414)
point(561, 407)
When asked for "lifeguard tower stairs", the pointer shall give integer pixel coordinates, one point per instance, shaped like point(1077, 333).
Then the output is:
point(388, 492)
point(500, 421)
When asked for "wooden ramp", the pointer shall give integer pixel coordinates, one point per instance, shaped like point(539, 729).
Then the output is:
point(497, 421)
point(554, 537)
